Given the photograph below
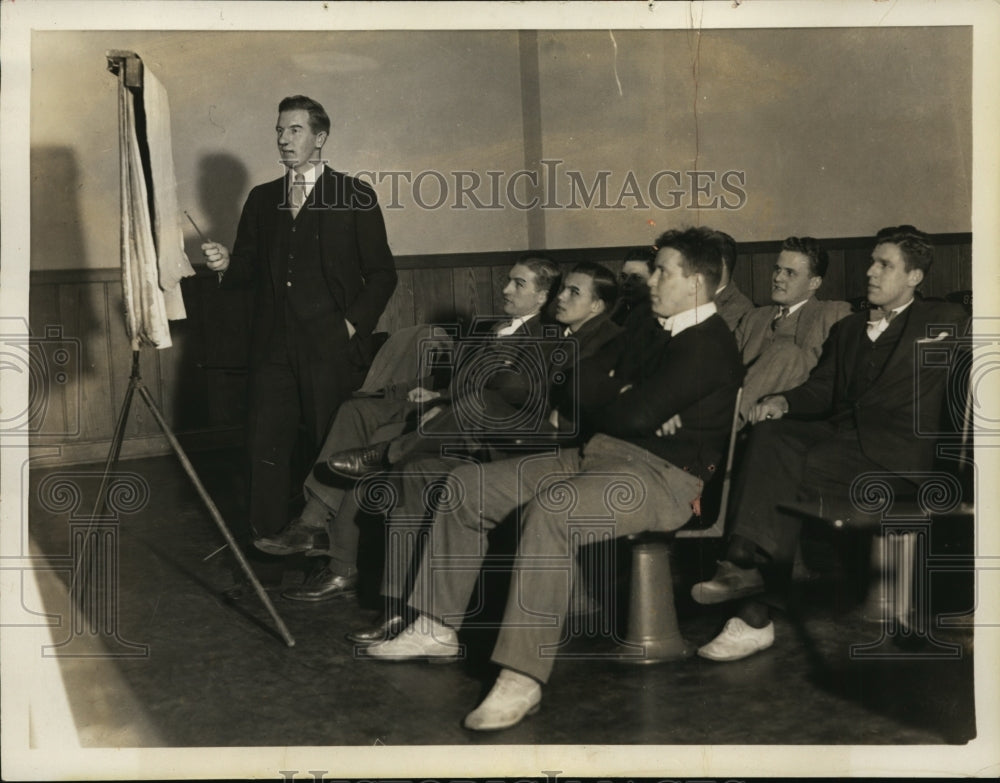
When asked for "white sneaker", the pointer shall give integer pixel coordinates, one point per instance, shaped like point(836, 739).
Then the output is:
point(738, 640)
point(425, 639)
point(513, 697)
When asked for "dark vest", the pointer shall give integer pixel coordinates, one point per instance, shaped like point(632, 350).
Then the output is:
point(872, 356)
point(302, 291)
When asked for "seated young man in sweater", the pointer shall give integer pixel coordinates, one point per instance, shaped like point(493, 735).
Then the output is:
point(624, 474)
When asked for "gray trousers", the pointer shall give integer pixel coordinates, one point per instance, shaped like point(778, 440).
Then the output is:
point(419, 485)
point(359, 422)
point(557, 500)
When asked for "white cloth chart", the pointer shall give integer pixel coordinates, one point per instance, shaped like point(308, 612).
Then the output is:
point(152, 247)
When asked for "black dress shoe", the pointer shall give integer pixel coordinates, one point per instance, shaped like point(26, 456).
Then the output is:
point(295, 538)
point(388, 628)
point(322, 585)
point(360, 462)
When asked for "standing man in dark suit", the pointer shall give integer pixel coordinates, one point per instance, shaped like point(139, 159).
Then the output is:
point(312, 246)
point(625, 475)
point(857, 412)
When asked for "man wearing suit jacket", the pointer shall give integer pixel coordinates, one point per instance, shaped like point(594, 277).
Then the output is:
point(586, 296)
point(312, 246)
point(857, 412)
point(625, 475)
point(582, 306)
point(327, 523)
point(633, 288)
point(782, 342)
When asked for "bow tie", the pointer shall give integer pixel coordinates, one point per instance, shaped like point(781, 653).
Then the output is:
point(878, 327)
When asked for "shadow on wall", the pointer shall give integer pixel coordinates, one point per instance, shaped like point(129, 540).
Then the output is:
point(56, 236)
point(222, 189)
point(57, 313)
point(218, 326)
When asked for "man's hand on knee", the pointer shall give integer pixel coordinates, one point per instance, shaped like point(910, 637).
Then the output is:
point(772, 407)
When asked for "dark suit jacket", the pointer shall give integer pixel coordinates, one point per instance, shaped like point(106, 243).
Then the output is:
point(354, 254)
point(599, 336)
point(594, 335)
point(696, 375)
point(495, 380)
point(886, 415)
point(503, 372)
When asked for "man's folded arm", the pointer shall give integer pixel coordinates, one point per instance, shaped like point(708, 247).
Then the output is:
point(674, 387)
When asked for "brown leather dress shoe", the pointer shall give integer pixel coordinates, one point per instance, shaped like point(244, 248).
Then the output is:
point(360, 462)
point(387, 628)
point(322, 586)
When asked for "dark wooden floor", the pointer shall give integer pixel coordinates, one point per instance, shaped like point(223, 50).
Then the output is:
point(215, 673)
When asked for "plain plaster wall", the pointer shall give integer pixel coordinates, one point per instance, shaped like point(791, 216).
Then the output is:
point(837, 132)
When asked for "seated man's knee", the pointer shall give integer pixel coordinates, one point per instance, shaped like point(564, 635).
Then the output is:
point(461, 491)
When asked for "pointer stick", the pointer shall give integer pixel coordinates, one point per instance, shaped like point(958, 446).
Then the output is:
point(203, 237)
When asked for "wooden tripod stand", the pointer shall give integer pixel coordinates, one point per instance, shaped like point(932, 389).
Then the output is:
point(135, 384)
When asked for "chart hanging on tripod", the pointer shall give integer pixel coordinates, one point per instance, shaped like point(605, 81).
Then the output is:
point(152, 243)
point(153, 264)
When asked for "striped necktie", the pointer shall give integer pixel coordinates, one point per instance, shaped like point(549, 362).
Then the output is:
point(297, 194)
point(781, 316)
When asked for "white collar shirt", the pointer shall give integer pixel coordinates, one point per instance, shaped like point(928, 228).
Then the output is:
point(678, 322)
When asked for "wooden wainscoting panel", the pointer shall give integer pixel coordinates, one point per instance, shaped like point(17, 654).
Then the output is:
point(856, 263)
point(833, 280)
point(399, 311)
point(473, 287)
point(499, 277)
point(83, 312)
point(54, 404)
point(201, 382)
point(433, 296)
point(762, 267)
point(944, 275)
point(965, 267)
